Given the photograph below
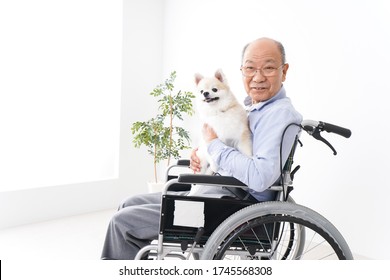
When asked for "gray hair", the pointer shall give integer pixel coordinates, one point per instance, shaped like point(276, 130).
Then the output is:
point(279, 45)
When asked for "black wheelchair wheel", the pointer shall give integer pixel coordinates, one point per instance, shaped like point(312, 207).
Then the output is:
point(277, 231)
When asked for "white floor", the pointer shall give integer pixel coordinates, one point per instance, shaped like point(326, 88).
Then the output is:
point(74, 238)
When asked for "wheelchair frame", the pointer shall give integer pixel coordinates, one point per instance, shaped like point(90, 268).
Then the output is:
point(243, 228)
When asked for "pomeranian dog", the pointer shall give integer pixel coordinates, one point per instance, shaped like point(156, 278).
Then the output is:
point(218, 107)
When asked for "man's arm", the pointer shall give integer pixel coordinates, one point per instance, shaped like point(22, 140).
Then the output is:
point(262, 169)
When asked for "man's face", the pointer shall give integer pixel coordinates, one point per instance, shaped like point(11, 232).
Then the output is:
point(265, 55)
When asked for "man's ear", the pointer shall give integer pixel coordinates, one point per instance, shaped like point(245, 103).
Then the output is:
point(284, 71)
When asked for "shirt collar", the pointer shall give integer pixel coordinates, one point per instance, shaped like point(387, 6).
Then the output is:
point(251, 107)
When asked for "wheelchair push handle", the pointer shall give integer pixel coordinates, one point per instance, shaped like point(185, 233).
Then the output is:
point(314, 128)
point(345, 132)
point(311, 127)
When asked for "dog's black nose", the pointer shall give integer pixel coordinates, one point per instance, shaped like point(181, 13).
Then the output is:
point(206, 93)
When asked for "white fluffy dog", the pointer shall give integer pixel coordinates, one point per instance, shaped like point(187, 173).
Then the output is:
point(218, 107)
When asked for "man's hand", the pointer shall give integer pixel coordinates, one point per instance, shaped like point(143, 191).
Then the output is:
point(208, 133)
point(194, 161)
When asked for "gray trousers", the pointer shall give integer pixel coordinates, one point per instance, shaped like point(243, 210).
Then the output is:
point(137, 223)
point(137, 216)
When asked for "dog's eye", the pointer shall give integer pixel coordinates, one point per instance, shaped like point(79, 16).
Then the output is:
point(214, 89)
point(201, 91)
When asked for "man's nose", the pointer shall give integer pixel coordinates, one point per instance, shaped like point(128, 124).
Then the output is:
point(258, 77)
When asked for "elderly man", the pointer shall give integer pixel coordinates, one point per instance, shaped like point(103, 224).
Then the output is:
point(264, 70)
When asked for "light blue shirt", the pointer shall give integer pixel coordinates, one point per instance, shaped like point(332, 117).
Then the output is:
point(267, 121)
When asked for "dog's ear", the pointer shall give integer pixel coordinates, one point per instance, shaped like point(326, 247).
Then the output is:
point(198, 78)
point(220, 76)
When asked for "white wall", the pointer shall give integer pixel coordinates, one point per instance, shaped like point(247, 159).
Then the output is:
point(141, 70)
point(338, 55)
point(60, 92)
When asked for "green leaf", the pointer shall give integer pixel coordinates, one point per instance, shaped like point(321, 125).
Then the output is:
point(162, 142)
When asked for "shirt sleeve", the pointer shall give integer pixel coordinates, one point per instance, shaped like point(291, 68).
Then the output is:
point(261, 170)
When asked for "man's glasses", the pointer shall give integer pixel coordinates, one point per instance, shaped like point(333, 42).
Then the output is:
point(267, 71)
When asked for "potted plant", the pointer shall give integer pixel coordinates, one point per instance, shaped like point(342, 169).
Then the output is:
point(161, 134)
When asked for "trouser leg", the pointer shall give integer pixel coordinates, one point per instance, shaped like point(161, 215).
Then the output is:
point(142, 199)
point(139, 217)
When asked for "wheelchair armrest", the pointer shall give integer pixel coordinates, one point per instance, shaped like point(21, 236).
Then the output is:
point(183, 162)
point(209, 180)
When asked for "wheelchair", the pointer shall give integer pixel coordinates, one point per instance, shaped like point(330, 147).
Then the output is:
point(242, 228)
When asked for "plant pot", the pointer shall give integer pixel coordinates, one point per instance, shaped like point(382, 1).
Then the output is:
point(155, 187)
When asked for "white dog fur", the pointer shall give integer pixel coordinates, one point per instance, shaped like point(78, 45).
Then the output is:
point(218, 107)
